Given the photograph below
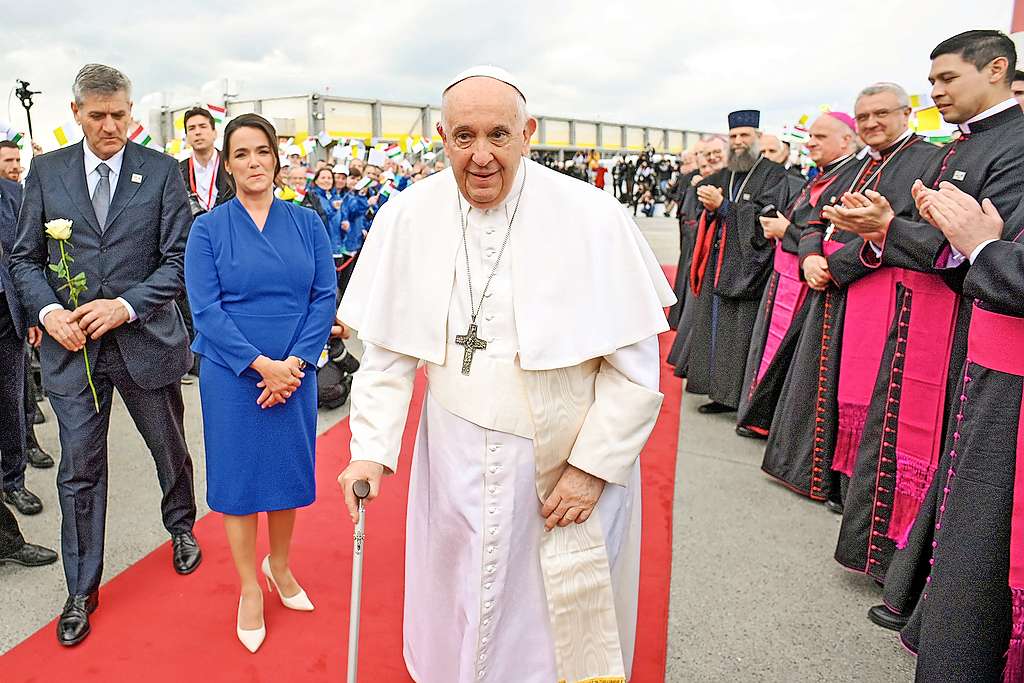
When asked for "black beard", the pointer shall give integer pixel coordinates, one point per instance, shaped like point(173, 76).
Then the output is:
point(741, 162)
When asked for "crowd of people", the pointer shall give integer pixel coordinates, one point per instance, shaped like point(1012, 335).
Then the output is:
point(867, 321)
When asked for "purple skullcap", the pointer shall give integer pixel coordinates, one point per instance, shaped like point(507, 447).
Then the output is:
point(844, 118)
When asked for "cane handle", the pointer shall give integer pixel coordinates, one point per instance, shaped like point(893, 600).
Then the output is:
point(361, 489)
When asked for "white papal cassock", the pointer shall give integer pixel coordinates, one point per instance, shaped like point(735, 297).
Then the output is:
point(476, 608)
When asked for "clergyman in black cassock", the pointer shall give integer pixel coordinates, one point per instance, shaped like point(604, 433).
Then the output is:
point(783, 305)
point(731, 264)
point(804, 431)
point(687, 213)
point(987, 161)
point(969, 622)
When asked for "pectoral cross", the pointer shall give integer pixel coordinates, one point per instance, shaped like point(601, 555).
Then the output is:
point(473, 344)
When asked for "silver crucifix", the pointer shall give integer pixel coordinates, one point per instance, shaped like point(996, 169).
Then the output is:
point(473, 344)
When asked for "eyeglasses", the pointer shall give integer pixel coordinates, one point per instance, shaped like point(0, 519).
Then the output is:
point(880, 114)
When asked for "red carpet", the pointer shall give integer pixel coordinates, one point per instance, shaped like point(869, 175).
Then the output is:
point(155, 626)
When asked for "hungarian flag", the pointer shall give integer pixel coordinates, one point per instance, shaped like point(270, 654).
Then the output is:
point(219, 113)
point(140, 136)
point(300, 194)
point(393, 151)
point(364, 183)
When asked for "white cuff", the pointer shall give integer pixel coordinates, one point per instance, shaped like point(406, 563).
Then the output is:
point(131, 311)
point(47, 310)
point(977, 249)
point(875, 248)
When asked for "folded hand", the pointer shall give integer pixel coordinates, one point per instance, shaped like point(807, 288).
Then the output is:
point(280, 379)
point(573, 499)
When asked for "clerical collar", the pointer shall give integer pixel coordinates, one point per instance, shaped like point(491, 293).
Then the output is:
point(990, 117)
point(512, 198)
point(835, 164)
point(877, 155)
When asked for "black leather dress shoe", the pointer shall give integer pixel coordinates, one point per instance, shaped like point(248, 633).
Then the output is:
point(882, 616)
point(29, 555)
point(714, 408)
point(24, 501)
point(187, 554)
point(73, 625)
point(38, 458)
point(834, 506)
point(748, 433)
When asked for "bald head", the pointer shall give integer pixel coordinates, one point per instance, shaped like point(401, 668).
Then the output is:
point(829, 140)
point(773, 149)
point(486, 131)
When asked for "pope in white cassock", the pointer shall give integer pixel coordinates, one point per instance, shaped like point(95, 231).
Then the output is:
point(535, 304)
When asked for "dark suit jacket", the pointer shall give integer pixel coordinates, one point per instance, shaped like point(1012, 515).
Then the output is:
point(225, 188)
point(10, 203)
point(139, 257)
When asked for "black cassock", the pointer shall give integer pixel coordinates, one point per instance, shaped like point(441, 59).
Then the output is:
point(987, 163)
point(962, 625)
point(761, 394)
point(731, 264)
point(688, 213)
point(806, 425)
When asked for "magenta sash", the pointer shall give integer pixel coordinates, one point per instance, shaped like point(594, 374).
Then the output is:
point(919, 435)
point(870, 304)
point(994, 342)
point(790, 292)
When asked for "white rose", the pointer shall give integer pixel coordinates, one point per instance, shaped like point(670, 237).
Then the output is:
point(59, 229)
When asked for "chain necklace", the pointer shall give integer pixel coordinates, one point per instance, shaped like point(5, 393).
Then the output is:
point(470, 340)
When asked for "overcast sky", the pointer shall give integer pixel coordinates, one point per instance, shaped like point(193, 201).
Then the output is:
point(674, 63)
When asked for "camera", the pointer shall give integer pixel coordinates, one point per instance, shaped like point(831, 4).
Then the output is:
point(194, 205)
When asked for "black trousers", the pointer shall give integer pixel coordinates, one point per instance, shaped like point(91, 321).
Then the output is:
point(12, 401)
point(82, 475)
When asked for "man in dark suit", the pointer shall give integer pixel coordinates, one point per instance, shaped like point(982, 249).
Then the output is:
point(13, 548)
point(208, 185)
point(13, 333)
point(130, 220)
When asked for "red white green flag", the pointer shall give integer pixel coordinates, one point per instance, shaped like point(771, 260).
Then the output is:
point(219, 113)
point(393, 151)
point(140, 136)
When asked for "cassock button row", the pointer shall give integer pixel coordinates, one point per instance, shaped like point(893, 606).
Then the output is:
point(494, 448)
point(492, 490)
point(487, 586)
point(489, 252)
point(489, 231)
point(489, 317)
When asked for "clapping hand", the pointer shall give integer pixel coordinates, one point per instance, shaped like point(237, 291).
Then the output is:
point(867, 214)
point(573, 499)
point(964, 222)
point(280, 379)
point(710, 196)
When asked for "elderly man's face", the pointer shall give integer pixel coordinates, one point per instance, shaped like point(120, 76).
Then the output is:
point(485, 137)
point(829, 139)
point(104, 120)
point(10, 164)
point(297, 177)
point(714, 157)
point(880, 119)
point(773, 149)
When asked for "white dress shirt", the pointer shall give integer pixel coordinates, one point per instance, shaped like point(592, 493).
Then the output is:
point(206, 178)
point(92, 179)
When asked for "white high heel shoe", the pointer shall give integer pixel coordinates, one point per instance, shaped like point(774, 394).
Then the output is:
point(299, 601)
point(250, 638)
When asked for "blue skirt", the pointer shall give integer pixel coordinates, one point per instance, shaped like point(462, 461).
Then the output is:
point(256, 460)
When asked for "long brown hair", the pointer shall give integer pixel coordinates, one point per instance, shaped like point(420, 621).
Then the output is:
point(259, 123)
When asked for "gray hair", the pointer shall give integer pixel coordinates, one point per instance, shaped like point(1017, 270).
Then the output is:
point(101, 80)
point(882, 87)
point(522, 116)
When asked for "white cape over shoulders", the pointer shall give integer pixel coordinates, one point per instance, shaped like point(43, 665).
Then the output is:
point(579, 263)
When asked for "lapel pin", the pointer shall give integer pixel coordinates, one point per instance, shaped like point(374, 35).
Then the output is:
point(959, 175)
point(136, 178)
point(746, 197)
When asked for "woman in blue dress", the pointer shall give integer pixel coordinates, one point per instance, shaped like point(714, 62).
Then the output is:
point(261, 283)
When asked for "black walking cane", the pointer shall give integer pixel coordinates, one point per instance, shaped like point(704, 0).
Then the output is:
point(361, 489)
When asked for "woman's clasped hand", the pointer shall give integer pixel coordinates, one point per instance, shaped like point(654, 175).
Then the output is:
point(280, 379)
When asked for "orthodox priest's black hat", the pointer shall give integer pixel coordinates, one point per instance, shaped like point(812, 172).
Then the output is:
point(745, 117)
